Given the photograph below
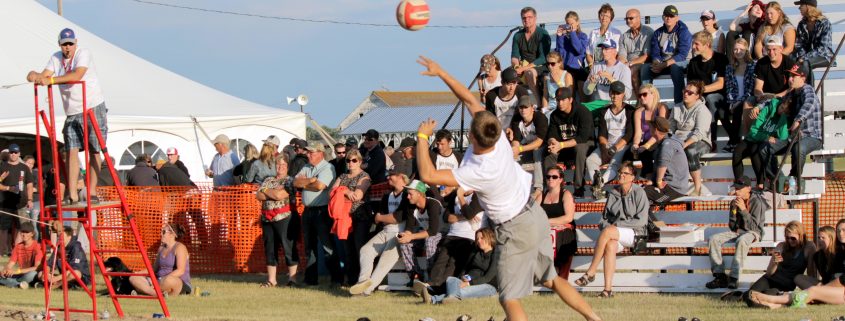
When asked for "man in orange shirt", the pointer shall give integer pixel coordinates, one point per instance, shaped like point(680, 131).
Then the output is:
point(27, 256)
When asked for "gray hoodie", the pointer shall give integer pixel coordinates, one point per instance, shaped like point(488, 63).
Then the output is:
point(629, 210)
point(691, 123)
point(751, 220)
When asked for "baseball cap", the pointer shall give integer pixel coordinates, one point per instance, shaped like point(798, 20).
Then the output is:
point(774, 40)
point(371, 133)
point(272, 139)
point(661, 124)
point(670, 11)
point(418, 186)
point(742, 182)
point(617, 87)
point(526, 100)
point(300, 143)
point(67, 35)
point(608, 43)
point(563, 93)
point(314, 146)
point(221, 139)
point(813, 3)
point(509, 75)
point(172, 151)
point(709, 14)
point(798, 70)
point(14, 148)
point(27, 227)
point(351, 141)
point(488, 61)
point(407, 142)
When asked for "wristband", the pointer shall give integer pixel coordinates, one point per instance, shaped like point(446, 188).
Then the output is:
point(423, 136)
point(520, 148)
point(52, 81)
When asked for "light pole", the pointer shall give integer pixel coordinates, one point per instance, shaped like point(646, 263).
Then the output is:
point(301, 100)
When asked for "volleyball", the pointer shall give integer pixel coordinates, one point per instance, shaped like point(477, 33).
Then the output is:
point(412, 14)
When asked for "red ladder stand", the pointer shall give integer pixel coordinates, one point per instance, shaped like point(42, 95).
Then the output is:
point(84, 210)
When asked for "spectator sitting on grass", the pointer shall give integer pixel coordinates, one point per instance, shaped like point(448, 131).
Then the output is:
point(172, 267)
point(480, 277)
point(26, 256)
point(78, 269)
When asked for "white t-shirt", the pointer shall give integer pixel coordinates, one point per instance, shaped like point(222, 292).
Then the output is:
point(466, 228)
point(487, 86)
point(393, 202)
point(72, 94)
point(499, 182)
point(505, 109)
point(446, 162)
point(615, 125)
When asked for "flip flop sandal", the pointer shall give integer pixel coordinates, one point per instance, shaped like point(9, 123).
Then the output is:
point(585, 279)
point(267, 285)
point(606, 294)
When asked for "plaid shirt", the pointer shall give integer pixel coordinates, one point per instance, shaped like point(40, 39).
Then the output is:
point(815, 44)
point(809, 112)
point(731, 86)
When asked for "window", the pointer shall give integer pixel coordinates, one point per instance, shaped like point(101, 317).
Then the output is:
point(238, 145)
point(127, 159)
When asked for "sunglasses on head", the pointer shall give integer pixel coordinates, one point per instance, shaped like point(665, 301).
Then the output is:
point(352, 160)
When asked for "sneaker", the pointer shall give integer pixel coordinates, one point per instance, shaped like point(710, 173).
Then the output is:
point(360, 287)
point(729, 148)
point(720, 281)
point(24, 285)
point(732, 283)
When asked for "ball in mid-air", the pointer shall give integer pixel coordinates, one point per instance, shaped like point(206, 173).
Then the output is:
point(412, 14)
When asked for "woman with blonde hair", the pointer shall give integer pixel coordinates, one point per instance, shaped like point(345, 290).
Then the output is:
point(823, 267)
point(813, 44)
point(263, 167)
point(777, 25)
point(790, 258)
point(648, 108)
point(278, 226)
point(558, 77)
point(250, 154)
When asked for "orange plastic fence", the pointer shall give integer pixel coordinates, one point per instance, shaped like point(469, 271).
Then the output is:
point(224, 235)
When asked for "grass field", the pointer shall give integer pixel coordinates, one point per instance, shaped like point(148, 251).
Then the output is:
point(237, 297)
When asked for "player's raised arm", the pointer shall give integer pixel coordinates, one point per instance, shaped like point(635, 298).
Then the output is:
point(433, 69)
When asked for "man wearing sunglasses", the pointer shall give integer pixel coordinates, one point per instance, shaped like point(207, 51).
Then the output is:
point(669, 51)
point(339, 161)
point(633, 45)
point(375, 160)
point(16, 192)
point(72, 64)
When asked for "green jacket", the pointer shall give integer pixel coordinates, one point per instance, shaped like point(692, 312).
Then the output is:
point(768, 124)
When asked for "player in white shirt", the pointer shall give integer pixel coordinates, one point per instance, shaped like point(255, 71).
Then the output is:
point(502, 188)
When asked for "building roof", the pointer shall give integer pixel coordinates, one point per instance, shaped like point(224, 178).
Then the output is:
point(416, 98)
point(408, 119)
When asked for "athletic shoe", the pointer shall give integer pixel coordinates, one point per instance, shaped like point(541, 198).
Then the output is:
point(732, 283)
point(360, 287)
point(729, 148)
point(720, 281)
point(24, 285)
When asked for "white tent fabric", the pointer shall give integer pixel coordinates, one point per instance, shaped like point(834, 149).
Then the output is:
point(145, 101)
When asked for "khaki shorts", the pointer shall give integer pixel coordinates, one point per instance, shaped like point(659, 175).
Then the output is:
point(525, 257)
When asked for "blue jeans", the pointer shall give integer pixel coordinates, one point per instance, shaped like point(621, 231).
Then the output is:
point(15, 280)
point(316, 227)
point(676, 70)
point(807, 145)
point(453, 289)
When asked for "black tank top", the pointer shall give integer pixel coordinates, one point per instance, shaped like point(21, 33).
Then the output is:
point(555, 209)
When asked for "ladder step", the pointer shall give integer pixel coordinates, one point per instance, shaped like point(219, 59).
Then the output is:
point(111, 227)
point(81, 206)
point(115, 251)
point(127, 296)
point(125, 274)
point(72, 310)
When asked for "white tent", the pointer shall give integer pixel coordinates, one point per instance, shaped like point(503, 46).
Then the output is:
point(146, 102)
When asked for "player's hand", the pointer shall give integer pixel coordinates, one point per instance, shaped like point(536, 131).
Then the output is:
point(509, 134)
point(427, 127)
point(754, 112)
point(4, 175)
point(433, 69)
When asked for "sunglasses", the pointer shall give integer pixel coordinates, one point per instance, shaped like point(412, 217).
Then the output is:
point(690, 92)
point(625, 173)
point(552, 63)
point(705, 18)
point(67, 44)
point(792, 239)
point(340, 153)
point(524, 107)
point(14, 152)
point(630, 18)
point(552, 177)
point(352, 160)
point(645, 94)
point(370, 139)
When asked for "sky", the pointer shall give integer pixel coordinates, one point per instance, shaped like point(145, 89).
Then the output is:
point(335, 65)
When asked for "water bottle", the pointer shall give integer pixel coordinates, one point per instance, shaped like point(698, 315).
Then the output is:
point(20, 181)
point(105, 315)
point(793, 185)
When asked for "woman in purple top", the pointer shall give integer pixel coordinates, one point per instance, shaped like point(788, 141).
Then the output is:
point(648, 107)
point(171, 266)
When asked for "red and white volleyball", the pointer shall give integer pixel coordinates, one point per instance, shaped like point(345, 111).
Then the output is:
point(412, 14)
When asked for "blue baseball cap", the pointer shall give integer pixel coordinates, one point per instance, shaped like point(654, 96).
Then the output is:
point(608, 43)
point(14, 148)
point(67, 35)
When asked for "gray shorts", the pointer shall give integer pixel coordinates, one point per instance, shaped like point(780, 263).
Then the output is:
point(525, 255)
